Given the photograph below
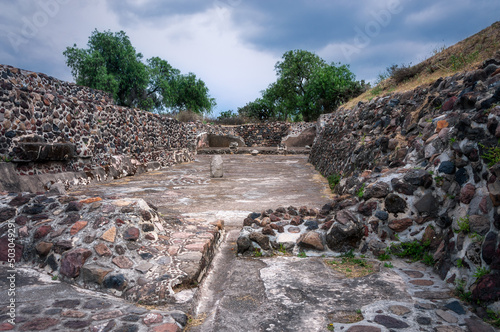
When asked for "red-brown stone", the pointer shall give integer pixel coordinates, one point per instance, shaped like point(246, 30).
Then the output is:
point(42, 231)
point(39, 324)
point(6, 327)
point(102, 250)
point(131, 234)
point(168, 327)
point(422, 282)
point(123, 262)
point(73, 260)
point(4, 250)
point(467, 193)
point(399, 225)
point(78, 226)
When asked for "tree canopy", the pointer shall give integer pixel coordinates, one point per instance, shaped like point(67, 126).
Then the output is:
point(305, 88)
point(111, 63)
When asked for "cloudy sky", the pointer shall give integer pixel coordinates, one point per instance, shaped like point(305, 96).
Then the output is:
point(233, 45)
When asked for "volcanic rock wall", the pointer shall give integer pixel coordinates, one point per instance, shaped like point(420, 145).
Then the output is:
point(265, 134)
point(50, 126)
point(424, 165)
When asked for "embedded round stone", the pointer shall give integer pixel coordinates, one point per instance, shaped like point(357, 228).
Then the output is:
point(390, 322)
point(399, 310)
point(131, 234)
point(414, 274)
point(422, 282)
point(39, 324)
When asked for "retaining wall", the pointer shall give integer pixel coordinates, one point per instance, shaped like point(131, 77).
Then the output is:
point(424, 166)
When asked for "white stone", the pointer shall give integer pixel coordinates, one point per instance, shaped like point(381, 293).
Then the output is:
point(287, 238)
point(216, 169)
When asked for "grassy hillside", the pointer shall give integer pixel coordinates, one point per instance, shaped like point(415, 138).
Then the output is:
point(465, 55)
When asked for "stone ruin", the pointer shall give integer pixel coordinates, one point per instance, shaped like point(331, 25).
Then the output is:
point(414, 166)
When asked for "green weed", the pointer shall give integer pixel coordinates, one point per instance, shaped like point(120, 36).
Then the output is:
point(492, 154)
point(376, 90)
point(333, 180)
point(480, 272)
point(388, 265)
point(5, 158)
point(493, 318)
point(428, 259)
point(348, 254)
point(414, 250)
point(476, 237)
point(457, 62)
point(257, 253)
point(302, 254)
point(463, 225)
point(385, 256)
point(461, 293)
point(439, 180)
point(361, 191)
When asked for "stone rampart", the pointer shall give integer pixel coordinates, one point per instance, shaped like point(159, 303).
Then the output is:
point(423, 165)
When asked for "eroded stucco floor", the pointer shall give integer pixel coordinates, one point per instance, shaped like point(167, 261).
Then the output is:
point(250, 183)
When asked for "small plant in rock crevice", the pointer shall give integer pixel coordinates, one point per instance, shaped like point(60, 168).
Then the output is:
point(475, 237)
point(491, 154)
point(480, 272)
point(463, 225)
point(492, 318)
point(461, 293)
point(302, 254)
point(5, 158)
point(360, 193)
point(385, 256)
point(428, 259)
point(282, 249)
point(388, 265)
point(439, 180)
point(414, 250)
point(333, 180)
point(257, 252)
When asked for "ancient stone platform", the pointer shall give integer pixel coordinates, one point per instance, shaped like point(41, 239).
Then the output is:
point(129, 255)
point(143, 240)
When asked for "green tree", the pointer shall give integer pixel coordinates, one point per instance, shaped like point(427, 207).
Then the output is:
point(328, 88)
point(110, 63)
point(294, 73)
point(191, 94)
point(160, 94)
point(305, 88)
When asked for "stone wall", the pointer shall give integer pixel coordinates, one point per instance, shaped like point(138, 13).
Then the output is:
point(120, 246)
point(263, 134)
point(51, 126)
point(423, 165)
